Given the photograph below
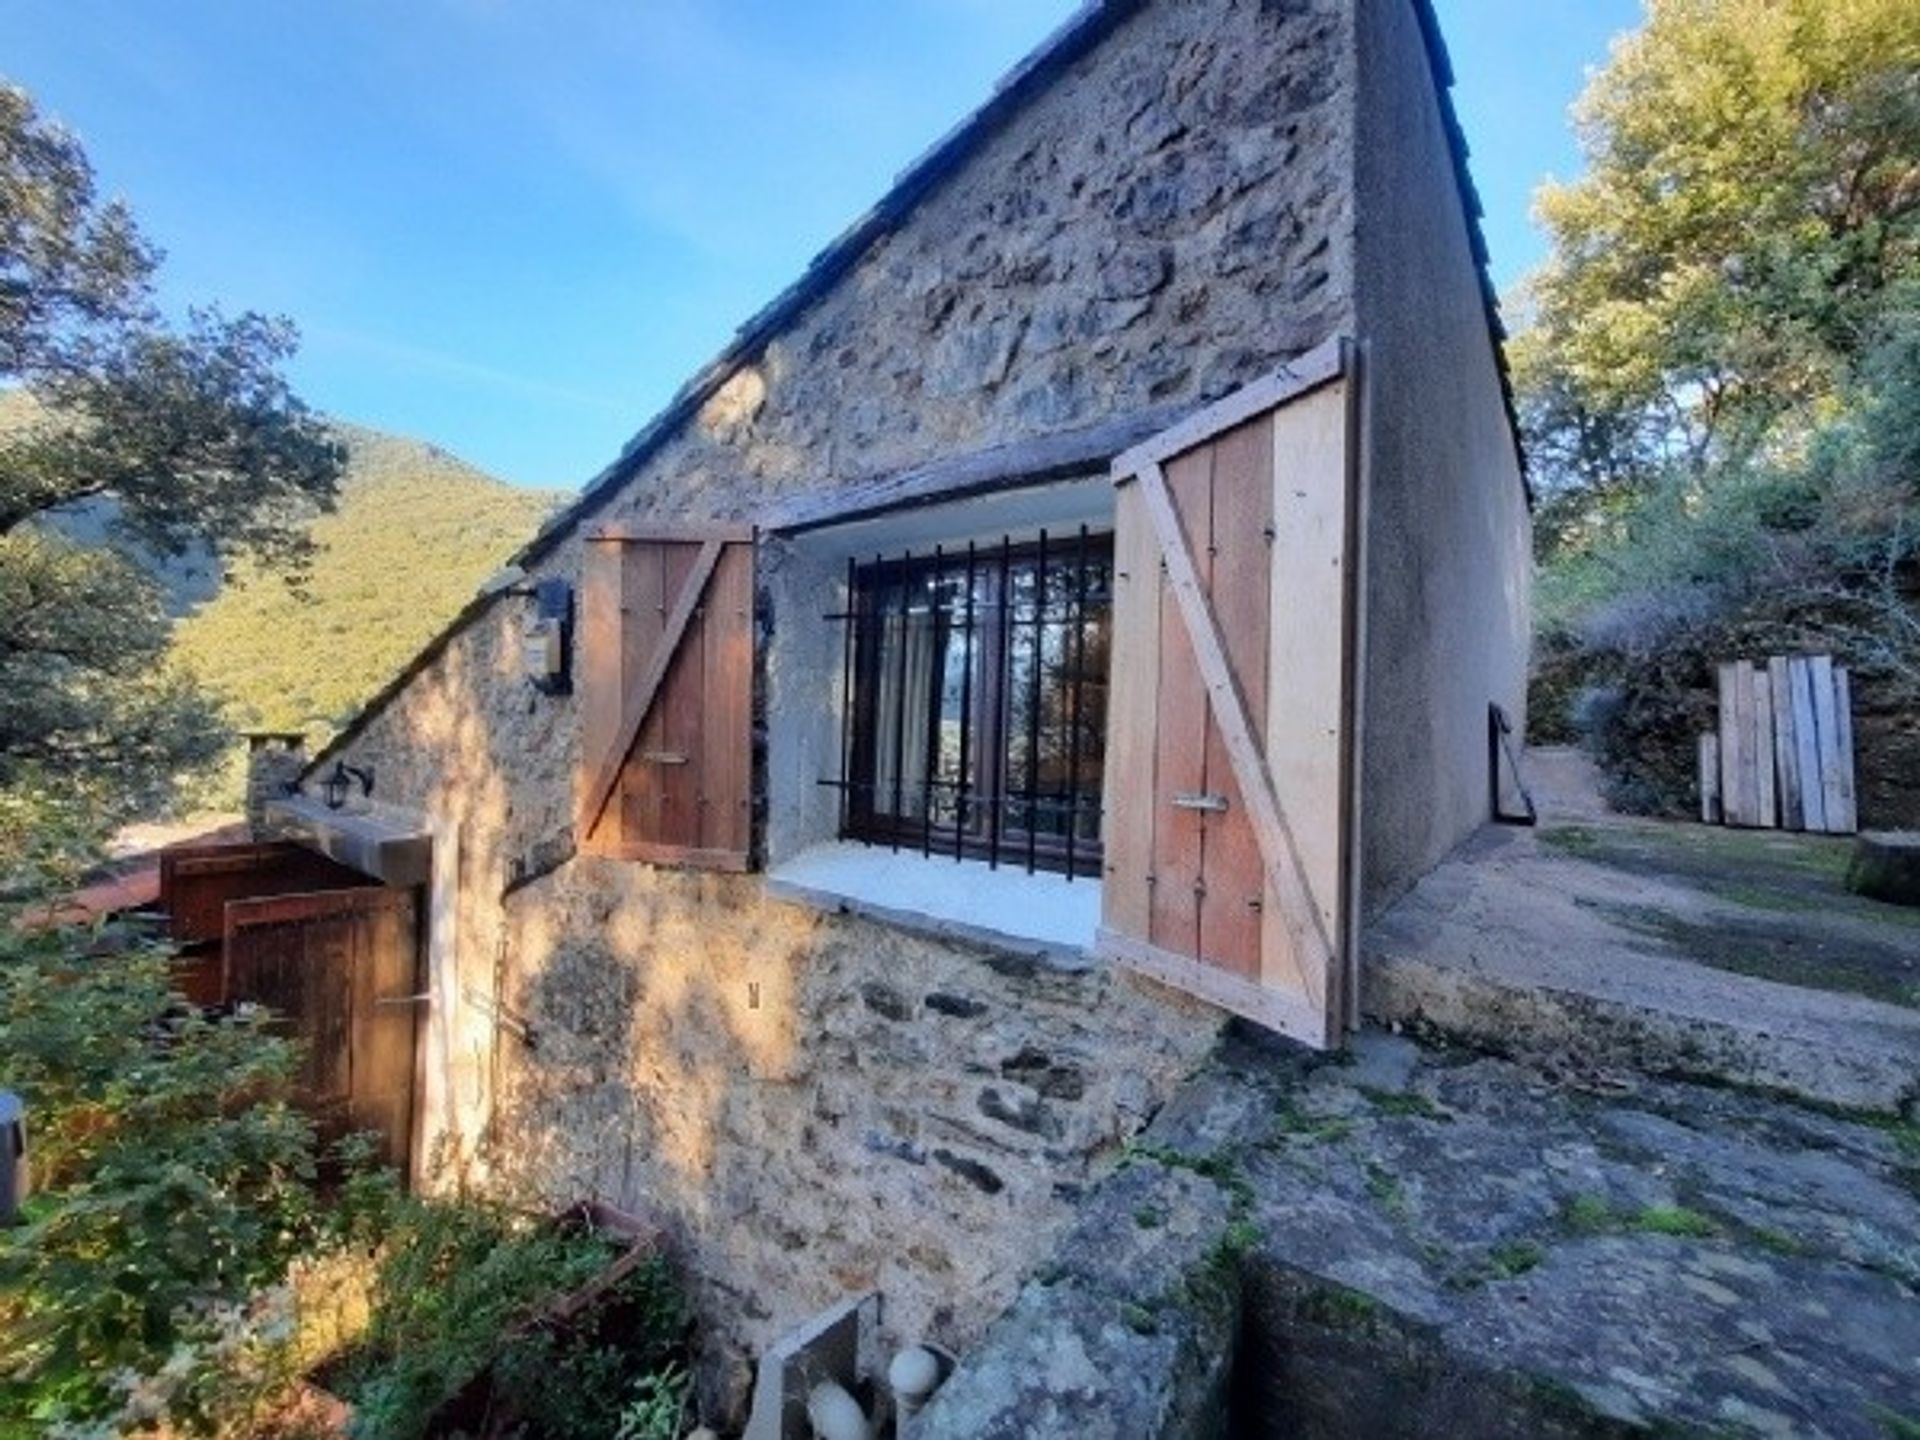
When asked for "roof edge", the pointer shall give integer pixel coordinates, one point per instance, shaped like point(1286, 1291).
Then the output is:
point(1077, 35)
point(1440, 60)
point(1074, 38)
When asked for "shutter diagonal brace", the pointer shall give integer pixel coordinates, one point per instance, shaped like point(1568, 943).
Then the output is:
point(638, 700)
point(1286, 870)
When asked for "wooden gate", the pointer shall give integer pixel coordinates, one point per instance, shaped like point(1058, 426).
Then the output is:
point(1227, 811)
point(329, 949)
point(340, 969)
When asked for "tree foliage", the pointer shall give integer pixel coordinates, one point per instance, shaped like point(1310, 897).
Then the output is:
point(187, 436)
point(1749, 214)
point(415, 533)
point(1721, 380)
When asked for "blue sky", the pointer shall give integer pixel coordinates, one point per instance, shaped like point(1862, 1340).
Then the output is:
point(513, 227)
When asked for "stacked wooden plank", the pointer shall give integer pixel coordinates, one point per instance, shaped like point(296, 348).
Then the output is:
point(1783, 755)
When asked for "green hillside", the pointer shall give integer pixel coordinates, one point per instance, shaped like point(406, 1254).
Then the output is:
point(415, 533)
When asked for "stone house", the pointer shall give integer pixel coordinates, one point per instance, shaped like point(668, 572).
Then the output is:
point(1055, 623)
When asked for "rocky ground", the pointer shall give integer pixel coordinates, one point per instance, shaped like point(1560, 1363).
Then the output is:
point(1424, 1240)
point(1609, 1218)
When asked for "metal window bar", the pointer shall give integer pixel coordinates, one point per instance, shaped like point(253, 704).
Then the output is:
point(1037, 680)
point(1077, 682)
point(1003, 597)
point(993, 718)
point(936, 683)
point(900, 695)
point(847, 728)
point(962, 812)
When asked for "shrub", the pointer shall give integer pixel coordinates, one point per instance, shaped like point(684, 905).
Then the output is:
point(1808, 549)
point(174, 1180)
point(459, 1291)
point(180, 1266)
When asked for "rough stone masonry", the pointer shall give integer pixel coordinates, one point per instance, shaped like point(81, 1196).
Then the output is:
point(816, 1103)
point(1421, 1241)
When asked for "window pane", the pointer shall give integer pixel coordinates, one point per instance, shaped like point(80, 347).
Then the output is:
point(979, 715)
point(1056, 689)
point(903, 698)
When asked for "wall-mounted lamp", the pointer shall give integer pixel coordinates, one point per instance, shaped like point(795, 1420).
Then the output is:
point(340, 783)
point(547, 647)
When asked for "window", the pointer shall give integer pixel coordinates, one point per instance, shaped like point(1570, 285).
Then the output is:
point(978, 685)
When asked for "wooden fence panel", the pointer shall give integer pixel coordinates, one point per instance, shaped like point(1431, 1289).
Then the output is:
point(1782, 755)
point(1806, 739)
point(1847, 820)
point(1786, 755)
point(1766, 813)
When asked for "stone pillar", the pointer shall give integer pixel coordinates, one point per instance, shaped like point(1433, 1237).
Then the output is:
point(274, 762)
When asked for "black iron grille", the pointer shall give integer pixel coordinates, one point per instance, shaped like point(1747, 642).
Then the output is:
point(978, 714)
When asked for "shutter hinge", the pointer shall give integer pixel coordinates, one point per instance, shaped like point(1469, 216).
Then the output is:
point(663, 757)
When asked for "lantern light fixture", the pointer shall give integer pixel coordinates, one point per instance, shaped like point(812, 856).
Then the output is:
point(339, 785)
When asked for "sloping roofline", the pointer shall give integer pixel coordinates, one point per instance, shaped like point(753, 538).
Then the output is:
point(1079, 34)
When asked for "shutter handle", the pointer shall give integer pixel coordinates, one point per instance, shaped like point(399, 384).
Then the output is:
point(1210, 804)
point(663, 757)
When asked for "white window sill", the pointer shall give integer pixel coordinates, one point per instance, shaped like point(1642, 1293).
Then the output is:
point(955, 899)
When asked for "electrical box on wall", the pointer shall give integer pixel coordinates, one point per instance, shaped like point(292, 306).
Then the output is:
point(547, 646)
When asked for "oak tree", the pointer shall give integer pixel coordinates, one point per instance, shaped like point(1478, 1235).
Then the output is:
point(1747, 229)
point(182, 437)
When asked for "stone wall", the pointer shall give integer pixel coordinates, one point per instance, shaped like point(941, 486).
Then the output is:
point(820, 1104)
point(1449, 536)
point(817, 1103)
point(274, 762)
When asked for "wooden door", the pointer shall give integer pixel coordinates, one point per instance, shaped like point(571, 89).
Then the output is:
point(341, 971)
point(197, 881)
point(1229, 753)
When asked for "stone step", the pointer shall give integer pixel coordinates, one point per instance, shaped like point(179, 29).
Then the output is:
point(1828, 1050)
point(1585, 952)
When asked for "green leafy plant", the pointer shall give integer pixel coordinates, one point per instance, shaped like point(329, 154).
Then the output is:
point(658, 1407)
point(458, 1301)
point(174, 1180)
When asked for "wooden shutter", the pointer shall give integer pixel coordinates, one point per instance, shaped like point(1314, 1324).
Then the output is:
point(1227, 875)
point(666, 662)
